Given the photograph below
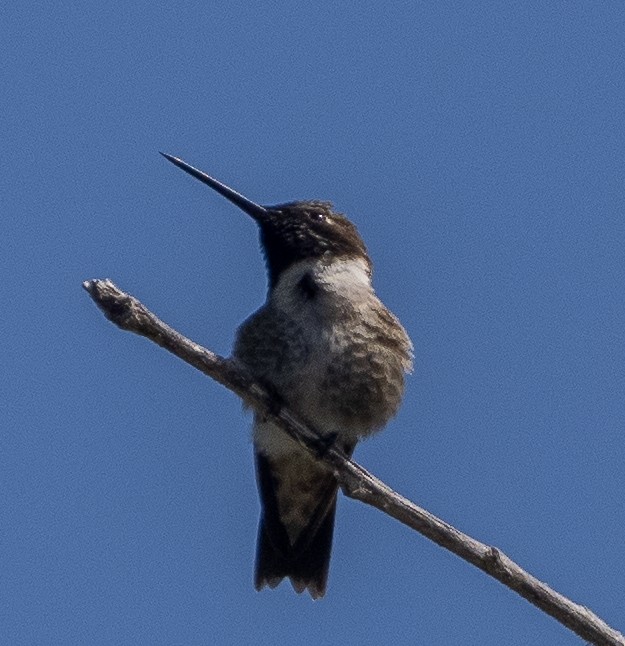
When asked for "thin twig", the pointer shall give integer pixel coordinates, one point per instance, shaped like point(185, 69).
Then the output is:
point(130, 314)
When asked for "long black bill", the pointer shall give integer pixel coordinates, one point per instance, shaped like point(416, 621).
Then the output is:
point(251, 208)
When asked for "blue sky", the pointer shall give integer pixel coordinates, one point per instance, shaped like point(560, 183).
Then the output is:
point(479, 147)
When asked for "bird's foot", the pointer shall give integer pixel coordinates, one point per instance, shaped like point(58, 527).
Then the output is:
point(274, 402)
point(325, 443)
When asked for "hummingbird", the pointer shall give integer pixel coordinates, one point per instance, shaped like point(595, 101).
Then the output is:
point(331, 352)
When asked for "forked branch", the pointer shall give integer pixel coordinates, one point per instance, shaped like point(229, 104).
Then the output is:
point(130, 314)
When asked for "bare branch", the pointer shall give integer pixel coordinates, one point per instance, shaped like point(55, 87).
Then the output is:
point(131, 315)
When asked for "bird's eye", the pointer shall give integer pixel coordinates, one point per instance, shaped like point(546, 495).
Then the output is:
point(317, 216)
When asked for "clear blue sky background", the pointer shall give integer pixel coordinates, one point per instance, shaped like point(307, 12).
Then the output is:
point(479, 146)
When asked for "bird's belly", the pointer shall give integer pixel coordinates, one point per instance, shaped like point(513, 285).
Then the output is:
point(344, 384)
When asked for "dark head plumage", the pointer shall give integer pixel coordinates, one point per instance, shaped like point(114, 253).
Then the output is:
point(311, 229)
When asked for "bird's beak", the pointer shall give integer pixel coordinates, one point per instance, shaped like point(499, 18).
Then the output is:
point(259, 213)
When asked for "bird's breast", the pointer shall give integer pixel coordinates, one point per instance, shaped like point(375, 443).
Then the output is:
point(330, 349)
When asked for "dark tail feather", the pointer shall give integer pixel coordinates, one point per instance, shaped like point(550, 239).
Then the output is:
point(307, 566)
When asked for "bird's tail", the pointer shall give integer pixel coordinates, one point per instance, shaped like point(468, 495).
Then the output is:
point(306, 565)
